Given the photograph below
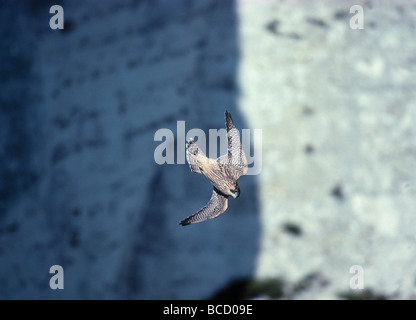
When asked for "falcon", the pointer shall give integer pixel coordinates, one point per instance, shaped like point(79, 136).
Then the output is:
point(222, 172)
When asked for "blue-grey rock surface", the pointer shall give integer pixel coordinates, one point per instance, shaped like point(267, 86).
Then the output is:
point(80, 188)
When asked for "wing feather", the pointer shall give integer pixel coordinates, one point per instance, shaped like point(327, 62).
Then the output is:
point(191, 149)
point(237, 159)
point(216, 206)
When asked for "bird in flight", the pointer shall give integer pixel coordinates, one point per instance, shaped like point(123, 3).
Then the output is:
point(222, 172)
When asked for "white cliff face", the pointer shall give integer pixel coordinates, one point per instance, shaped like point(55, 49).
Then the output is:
point(80, 187)
point(335, 106)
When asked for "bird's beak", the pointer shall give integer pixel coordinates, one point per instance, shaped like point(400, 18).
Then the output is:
point(236, 194)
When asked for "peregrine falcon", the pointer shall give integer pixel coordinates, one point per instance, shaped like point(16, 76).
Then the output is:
point(222, 172)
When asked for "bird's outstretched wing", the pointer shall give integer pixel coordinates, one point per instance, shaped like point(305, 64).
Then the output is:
point(216, 206)
point(191, 150)
point(236, 156)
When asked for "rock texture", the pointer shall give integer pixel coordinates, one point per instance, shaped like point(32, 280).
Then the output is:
point(80, 188)
point(100, 206)
point(339, 142)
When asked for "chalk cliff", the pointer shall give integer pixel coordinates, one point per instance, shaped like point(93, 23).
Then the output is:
point(80, 188)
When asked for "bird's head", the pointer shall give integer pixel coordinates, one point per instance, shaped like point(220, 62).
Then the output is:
point(235, 193)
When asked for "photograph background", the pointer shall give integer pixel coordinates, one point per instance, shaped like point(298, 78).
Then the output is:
point(79, 186)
